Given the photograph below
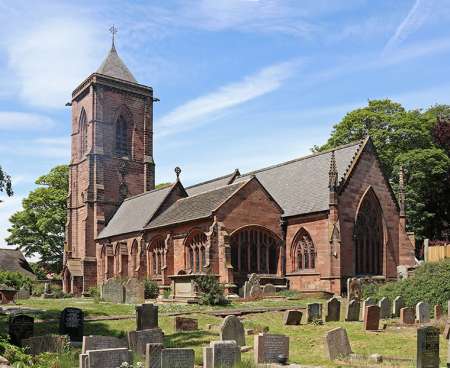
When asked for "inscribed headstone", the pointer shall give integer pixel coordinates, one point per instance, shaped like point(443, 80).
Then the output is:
point(398, 304)
point(71, 322)
point(47, 343)
point(185, 324)
point(146, 316)
point(292, 317)
point(372, 318)
point(407, 316)
point(232, 329)
point(368, 301)
point(177, 358)
point(221, 354)
point(385, 308)
point(113, 291)
point(134, 291)
point(268, 348)
point(333, 310)
point(137, 340)
point(21, 327)
point(337, 344)
point(427, 347)
point(97, 342)
point(313, 312)
point(423, 312)
point(108, 358)
point(153, 355)
point(353, 311)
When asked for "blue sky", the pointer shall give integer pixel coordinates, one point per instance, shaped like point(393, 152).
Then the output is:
point(243, 83)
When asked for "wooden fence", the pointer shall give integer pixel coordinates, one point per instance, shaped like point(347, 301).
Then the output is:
point(437, 252)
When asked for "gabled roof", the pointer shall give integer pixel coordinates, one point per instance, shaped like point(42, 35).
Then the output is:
point(212, 184)
point(196, 207)
point(13, 260)
point(136, 212)
point(113, 66)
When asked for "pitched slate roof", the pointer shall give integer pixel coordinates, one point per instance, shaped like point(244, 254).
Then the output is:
point(212, 184)
point(13, 260)
point(135, 212)
point(301, 186)
point(113, 66)
point(195, 207)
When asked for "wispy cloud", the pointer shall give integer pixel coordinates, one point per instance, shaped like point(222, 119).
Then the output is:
point(12, 121)
point(57, 148)
point(198, 110)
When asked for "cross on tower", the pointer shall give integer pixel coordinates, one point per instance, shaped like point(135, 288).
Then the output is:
point(113, 31)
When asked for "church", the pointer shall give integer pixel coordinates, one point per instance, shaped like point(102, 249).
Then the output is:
point(306, 224)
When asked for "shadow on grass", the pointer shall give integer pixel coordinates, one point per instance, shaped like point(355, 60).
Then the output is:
point(189, 339)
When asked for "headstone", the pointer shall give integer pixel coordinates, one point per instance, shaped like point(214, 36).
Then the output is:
point(372, 318)
point(256, 291)
point(185, 324)
point(407, 316)
point(45, 344)
point(177, 358)
point(146, 316)
point(48, 294)
point(113, 291)
point(134, 291)
point(313, 312)
point(353, 311)
point(333, 310)
point(368, 301)
point(221, 354)
point(422, 312)
point(268, 348)
point(153, 355)
point(71, 322)
point(108, 358)
point(398, 304)
point(354, 291)
point(438, 312)
point(21, 327)
point(385, 308)
point(337, 344)
point(98, 342)
point(427, 347)
point(232, 329)
point(252, 281)
point(292, 317)
point(402, 272)
point(138, 339)
point(269, 289)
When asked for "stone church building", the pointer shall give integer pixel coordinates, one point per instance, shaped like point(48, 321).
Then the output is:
point(307, 224)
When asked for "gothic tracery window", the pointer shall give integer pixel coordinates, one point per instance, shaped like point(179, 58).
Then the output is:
point(195, 252)
point(303, 252)
point(156, 257)
point(121, 136)
point(83, 132)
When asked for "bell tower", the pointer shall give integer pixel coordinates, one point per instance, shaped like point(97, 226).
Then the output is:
point(111, 159)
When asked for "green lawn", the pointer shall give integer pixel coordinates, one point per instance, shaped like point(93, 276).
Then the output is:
point(306, 341)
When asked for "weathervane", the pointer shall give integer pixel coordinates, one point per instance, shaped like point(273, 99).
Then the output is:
point(113, 31)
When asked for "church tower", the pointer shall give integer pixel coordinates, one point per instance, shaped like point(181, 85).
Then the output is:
point(111, 159)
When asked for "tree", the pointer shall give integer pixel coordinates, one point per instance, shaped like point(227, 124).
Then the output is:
point(5, 183)
point(407, 138)
point(39, 227)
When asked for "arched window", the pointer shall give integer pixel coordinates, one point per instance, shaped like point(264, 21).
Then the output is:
point(83, 132)
point(121, 136)
point(195, 251)
point(156, 256)
point(303, 253)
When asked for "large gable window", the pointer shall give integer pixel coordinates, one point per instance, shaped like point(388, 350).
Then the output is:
point(121, 137)
point(303, 252)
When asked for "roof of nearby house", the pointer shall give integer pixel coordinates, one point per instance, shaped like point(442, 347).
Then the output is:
point(13, 260)
point(113, 66)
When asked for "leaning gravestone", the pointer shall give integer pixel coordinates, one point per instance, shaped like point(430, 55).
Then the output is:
point(113, 291)
point(398, 304)
point(21, 327)
point(292, 317)
point(108, 358)
point(177, 358)
point(268, 348)
point(138, 339)
point(407, 316)
point(333, 310)
point(313, 312)
point(71, 322)
point(185, 324)
point(337, 344)
point(98, 342)
point(385, 308)
point(372, 318)
point(427, 347)
point(45, 344)
point(146, 316)
point(353, 311)
point(422, 312)
point(134, 291)
point(221, 354)
point(232, 329)
point(368, 301)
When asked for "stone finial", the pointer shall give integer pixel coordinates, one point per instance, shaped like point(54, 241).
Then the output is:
point(333, 173)
point(178, 172)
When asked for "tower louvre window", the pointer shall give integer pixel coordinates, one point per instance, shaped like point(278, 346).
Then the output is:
point(121, 137)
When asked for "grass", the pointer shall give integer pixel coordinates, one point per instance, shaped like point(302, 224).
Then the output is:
point(306, 341)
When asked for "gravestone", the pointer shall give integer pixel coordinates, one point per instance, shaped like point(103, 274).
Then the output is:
point(407, 316)
point(134, 291)
point(333, 310)
point(292, 317)
point(138, 339)
point(354, 291)
point(398, 304)
point(48, 294)
point(427, 347)
point(71, 322)
point(423, 312)
point(23, 293)
point(269, 289)
point(252, 281)
point(385, 308)
point(337, 344)
point(313, 312)
point(177, 358)
point(353, 311)
point(221, 354)
point(232, 329)
point(185, 324)
point(372, 318)
point(256, 291)
point(268, 348)
point(153, 355)
point(98, 342)
point(438, 312)
point(21, 327)
point(108, 358)
point(368, 301)
point(45, 344)
point(113, 291)
point(146, 316)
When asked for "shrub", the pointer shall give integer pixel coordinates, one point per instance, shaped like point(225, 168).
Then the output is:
point(151, 289)
point(211, 290)
point(15, 279)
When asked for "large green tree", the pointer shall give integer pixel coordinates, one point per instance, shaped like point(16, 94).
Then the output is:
point(39, 228)
point(407, 138)
point(5, 183)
